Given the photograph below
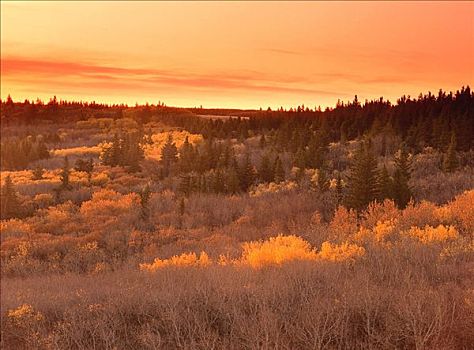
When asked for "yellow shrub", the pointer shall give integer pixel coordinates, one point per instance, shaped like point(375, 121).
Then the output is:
point(24, 312)
point(14, 228)
point(342, 252)
point(383, 230)
point(430, 234)
point(275, 251)
point(77, 151)
point(183, 260)
point(153, 151)
point(462, 211)
point(272, 187)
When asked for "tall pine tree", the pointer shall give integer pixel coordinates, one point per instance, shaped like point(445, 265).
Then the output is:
point(451, 162)
point(401, 189)
point(362, 181)
point(10, 204)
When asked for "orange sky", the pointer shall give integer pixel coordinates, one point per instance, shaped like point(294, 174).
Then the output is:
point(237, 54)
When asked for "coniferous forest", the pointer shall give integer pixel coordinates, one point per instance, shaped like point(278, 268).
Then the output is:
point(156, 227)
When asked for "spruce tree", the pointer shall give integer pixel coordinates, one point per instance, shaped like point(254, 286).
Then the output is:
point(64, 175)
point(185, 184)
point(186, 156)
point(113, 154)
point(262, 142)
point(323, 181)
point(41, 150)
point(279, 171)
point(246, 173)
point(133, 153)
point(362, 181)
point(339, 189)
point(169, 155)
point(451, 162)
point(38, 173)
point(232, 181)
point(401, 189)
point(145, 195)
point(265, 171)
point(10, 204)
point(385, 184)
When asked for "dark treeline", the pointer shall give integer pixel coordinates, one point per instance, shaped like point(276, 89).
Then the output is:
point(428, 120)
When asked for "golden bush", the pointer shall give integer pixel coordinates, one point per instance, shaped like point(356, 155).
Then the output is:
point(275, 251)
point(342, 252)
point(343, 224)
point(430, 234)
point(272, 187)
point(183, 260)
point(24, 313)
point(462, 211)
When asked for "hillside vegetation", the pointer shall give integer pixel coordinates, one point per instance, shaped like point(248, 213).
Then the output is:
point(152, 227)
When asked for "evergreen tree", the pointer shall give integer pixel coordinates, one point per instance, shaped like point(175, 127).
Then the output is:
point(41, 150)
point(362, 181)
point(401, 189)
point(185, 184)
point(132, 153)
point(218, 182)
point(323, 181)
point(10, 203)
point(169, 155)
point(339, 189)
point(64, 175)
point(112, 155)
point(145, 195)
point(385, 185)
point(38, 173)
point(246, 174)
point(265, 171)
point(89, 169)
point(232, 181)
point(451, 162)
point(186, 156)
point(279, 171)
point(299, 159)
point(262, 142)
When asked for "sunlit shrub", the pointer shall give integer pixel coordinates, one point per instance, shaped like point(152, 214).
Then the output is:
point(58, 220)
point(382, 232)
point(183, 260)
point(341, 252)
point(343, 224)
point(14, 228)
point(379, 212)
point(419, 214)
point(24, 312)
point(430, 234)
point(43, 200)
point(462, 211)
point(272, 187)
point(275, 251)
point(153, 151)
point(77, 151)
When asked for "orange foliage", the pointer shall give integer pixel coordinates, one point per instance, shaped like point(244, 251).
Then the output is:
point(183, 260)
point(462, 211)
point(430, 234)
point(275, 251)
point(343, 224)
point(153, 151)
point(339, 253)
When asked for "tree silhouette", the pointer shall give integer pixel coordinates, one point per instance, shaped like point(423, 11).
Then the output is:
point(10, 203)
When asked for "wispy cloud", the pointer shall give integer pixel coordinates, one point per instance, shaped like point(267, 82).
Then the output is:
point(76, 74)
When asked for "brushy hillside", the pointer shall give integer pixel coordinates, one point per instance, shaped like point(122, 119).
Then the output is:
point(150, 227)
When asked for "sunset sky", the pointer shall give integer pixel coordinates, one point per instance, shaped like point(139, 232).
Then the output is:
point(237, 54)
